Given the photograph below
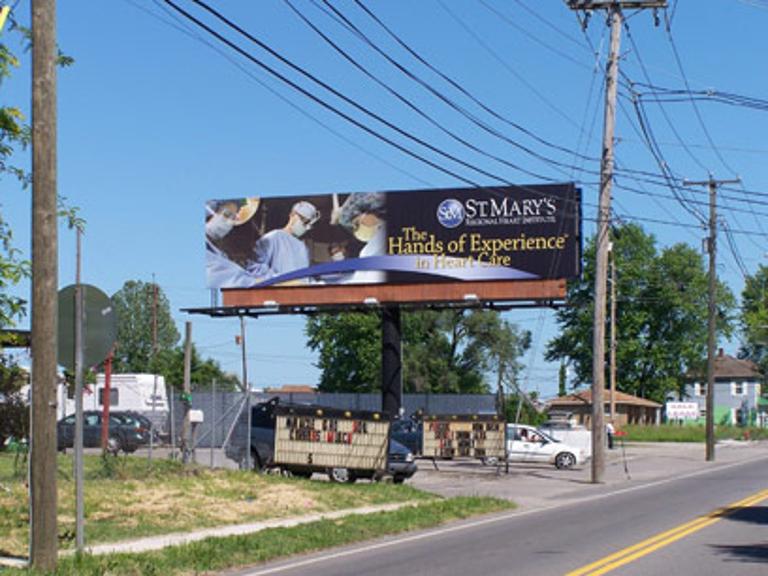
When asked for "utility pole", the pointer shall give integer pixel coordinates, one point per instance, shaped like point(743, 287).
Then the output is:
point(613, 10)
point(42, 470)
point(712, 184)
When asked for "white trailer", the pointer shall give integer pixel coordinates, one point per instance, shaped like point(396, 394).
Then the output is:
point(136, 392)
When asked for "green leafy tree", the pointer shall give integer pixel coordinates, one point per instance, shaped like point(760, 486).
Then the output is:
point(447, 351)
point(15, 137)
point(170, 364)
point(138, 305)
point(14, 412)
point(754, 319)
point(350, 351)
point(661, 315)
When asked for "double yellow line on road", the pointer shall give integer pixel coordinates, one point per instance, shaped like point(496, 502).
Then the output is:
point(645, 547)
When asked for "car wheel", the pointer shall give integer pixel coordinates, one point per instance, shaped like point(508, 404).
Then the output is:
point(565, 460)
point(341, 475)
point(398, 479)
point(490, 461)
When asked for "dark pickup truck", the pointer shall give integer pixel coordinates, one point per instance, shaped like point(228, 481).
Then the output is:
point(305, 439)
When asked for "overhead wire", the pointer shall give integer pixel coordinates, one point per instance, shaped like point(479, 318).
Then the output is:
point(412, 106)
point(181, 27)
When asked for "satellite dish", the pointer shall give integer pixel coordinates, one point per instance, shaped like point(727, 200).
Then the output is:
point(99, 326)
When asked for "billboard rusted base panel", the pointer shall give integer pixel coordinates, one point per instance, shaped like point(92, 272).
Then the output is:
point(395, 293)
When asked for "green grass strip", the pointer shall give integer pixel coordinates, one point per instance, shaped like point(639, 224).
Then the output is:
point(690, 433)
point(215, 554)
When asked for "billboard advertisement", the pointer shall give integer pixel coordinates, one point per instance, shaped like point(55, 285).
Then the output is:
point(460, 235)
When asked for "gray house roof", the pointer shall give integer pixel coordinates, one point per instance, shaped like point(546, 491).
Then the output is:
point(729, 368)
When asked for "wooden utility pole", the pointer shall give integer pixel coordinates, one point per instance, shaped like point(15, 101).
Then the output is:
point(42, 470)
point(185, 429)
point(712, 184)
point(613, 9)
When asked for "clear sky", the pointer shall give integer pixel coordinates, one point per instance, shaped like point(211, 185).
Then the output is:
point(156, 117)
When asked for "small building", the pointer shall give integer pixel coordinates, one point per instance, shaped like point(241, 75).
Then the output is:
point(629, 409)
point(738, 389)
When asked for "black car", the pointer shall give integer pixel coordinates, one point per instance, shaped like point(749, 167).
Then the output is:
point(408, 433)
point(124, 434)
point(141, 423)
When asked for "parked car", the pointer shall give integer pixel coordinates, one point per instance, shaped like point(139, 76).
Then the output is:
point(141, 423)
point(408, 433)
point(529, 444)
point(124, 435)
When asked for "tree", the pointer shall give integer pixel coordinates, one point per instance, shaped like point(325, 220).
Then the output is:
point(447, 351)
point(138, 305)
point(170, 365)
point(661, 315)
point(754, 319)
point(14, 412)
point(15, 136)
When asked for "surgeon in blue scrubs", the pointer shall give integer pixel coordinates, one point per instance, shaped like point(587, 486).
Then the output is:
point(282, 250)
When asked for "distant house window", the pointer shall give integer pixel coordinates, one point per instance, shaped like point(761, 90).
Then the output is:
point(700, 390)
point(738, 389)
point(114, 396)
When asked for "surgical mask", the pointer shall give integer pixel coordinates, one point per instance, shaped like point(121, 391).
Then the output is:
point(337, 256)
point(365, 233)
point(298, 228)
point(218, 226)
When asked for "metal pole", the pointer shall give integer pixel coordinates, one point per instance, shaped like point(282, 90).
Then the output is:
point(42, 469)
point(78, 462)
point(247, 391)
point(185, 440)
point(173, 422)
point(213, 419)
point(391, 361)
point(105, 392)
point(154, 369)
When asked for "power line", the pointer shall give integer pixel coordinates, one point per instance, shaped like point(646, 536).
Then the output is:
point(181, 27)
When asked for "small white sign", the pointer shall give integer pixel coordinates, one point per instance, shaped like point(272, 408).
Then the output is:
point(682, 411)
point(196, 416)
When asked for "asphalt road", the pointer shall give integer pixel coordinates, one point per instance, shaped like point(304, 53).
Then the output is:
point(676, 525)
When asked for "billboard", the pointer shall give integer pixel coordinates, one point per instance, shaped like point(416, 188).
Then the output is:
point(416, 237)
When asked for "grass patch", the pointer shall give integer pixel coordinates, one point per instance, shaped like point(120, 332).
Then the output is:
point(216, 554)
point(690, 433)
point(127, 498)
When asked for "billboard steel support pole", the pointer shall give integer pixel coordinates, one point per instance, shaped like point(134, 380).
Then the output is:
point(391, 361)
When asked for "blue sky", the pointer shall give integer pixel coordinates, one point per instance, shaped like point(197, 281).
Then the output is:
point(153, 122)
